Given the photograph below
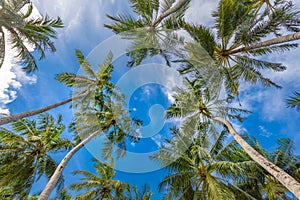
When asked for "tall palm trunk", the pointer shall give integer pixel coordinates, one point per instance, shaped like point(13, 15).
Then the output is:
point(285, 179)
point(170, 11)
point(278, 40)
point(58, 172)
point(16, 117)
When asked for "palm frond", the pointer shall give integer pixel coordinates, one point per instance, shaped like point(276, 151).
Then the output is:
point(85, 65)
point(251, 75)
point(123, 23)
point(203, 36)
point(148, 9)
point(294, 101)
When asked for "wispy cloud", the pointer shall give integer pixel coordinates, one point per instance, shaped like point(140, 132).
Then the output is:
point(158, 139)
point(264, 132)
point(199, 11)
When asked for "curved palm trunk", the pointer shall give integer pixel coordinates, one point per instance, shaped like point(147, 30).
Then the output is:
point(170, 11)
point(16, 117)
point(285, 179)
point(278, 40)
point(58, 172)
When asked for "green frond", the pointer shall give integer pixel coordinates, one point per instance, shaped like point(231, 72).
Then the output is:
point(218, 143)
point(203, 36)
point(259, 64)
point(28, 11)
point(229, 16)
point(173, 23)
point(85, 65)
point(27, 59)
point(30, 148)
point(124, 23)
point(294, 101)
point(251, 75)
point(272, 49)
point(148, 9)
point(37, 33)
point(253, 30)
point(74, 80)
point(217, 190)
point(93, 194)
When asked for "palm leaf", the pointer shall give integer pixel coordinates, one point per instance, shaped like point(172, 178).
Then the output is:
point(294, 101)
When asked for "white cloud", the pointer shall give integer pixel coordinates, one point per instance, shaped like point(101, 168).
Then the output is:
point(271, 102)
point(199, 12)
point(158, 139)
point(83, 20)
point(11, 74)
point(264, 131)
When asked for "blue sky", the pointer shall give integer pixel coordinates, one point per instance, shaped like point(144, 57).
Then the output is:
point(84, 30)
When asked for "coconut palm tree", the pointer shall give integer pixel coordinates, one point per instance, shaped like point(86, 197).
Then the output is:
point(150, 14)
point(23, 31)
point(197, 102)
point(237, 39)
point(103, 185)
point(150, 28)
point(83, 84)
point(100, 185)
point(261, 183)
point(101, 111)
point(203, 164)
point(25, 152)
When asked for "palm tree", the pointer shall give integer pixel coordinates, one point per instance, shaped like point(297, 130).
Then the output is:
point(86, 84)
point(262, 184)
point(100, 185)
point(150, 28)
point(103, 186)
point(22, 30)
point(294, 101)
point(25, 154)
point(204, 108)
point(151, 13)
point(101, 111)
point(237, 38)
point(203, 164)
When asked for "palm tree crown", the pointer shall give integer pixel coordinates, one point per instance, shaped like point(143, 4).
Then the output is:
point(239, 26)
point(21, 30)
point(29, 147)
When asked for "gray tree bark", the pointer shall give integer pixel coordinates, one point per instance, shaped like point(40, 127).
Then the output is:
point(58, 172)
point(16, 117)
point(278, 40)
point(284, 178)
point(170, 11)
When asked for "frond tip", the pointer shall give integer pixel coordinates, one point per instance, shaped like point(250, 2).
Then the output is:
point(294, 101)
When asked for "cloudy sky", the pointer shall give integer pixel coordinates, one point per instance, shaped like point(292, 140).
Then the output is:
point(84, 30)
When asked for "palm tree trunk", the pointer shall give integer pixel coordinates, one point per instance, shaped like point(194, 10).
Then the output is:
point(58, 172)
point(170, 11)
point(278, 40)
point(16, 117)
point(285, 179)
